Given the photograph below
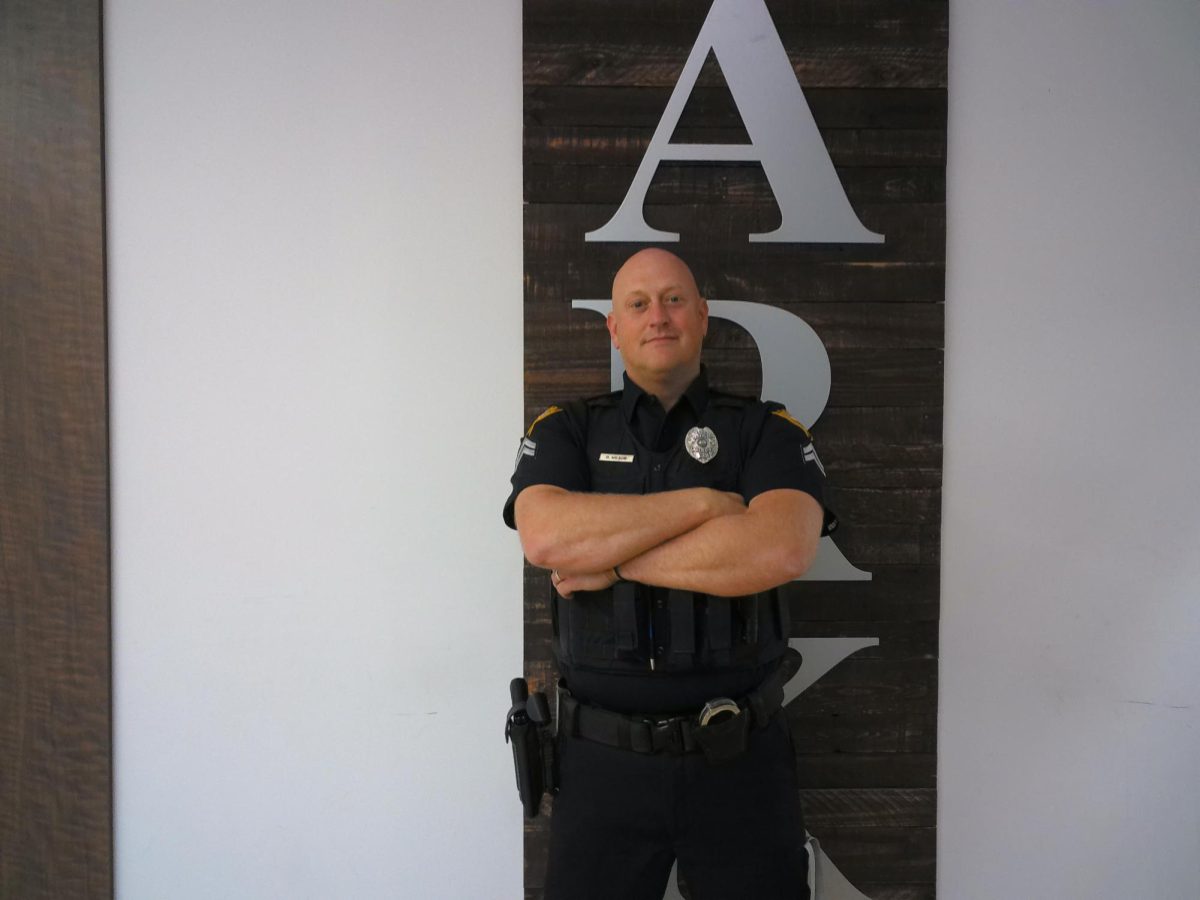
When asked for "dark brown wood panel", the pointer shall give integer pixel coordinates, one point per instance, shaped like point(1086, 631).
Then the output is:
point(915, 231)
point(641, 107)
point(598, 74)
point(601, 145)
point(850, 771)
point(55, 736)
point(720, 186)
point(869, 13)
point(837, 60)
point(888, 807)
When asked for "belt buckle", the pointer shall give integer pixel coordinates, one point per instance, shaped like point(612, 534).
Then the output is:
point(672, 730)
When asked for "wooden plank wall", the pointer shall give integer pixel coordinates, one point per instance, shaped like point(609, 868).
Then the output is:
point(55, 735)
point(597, 76)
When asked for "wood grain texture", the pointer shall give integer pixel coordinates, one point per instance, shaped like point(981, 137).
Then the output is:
point(55, 735)
point(871, 13)
point(721, 187)
point(834, 60)
point(598, 74)
point(915, 232)
point(642, 107)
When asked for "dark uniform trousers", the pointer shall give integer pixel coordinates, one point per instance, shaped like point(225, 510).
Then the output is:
point(621, 818)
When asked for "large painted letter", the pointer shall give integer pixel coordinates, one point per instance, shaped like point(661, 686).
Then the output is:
point(783, 136)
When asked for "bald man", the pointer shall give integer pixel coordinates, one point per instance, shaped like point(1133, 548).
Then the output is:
point(667, 514)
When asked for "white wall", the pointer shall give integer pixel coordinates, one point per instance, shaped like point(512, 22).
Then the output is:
point(1069, 758)
point(315, 239)
point(316, 350)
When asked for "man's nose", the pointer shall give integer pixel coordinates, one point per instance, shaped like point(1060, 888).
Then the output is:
point(658, 312)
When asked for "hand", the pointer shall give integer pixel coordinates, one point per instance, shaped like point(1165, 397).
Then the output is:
point(566, 583)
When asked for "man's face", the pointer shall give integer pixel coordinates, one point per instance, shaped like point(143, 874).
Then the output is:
point(659, 319)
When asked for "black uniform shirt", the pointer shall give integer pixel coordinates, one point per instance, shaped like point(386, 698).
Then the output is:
point(553, 451)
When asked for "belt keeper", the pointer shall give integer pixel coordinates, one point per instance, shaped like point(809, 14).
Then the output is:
point(758, 706)
point(688, 735)
point(668, 735)
point(569, 720)
point(641, 738)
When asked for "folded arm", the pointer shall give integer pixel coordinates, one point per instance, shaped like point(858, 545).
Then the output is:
point(774, 542)
point(582, 532)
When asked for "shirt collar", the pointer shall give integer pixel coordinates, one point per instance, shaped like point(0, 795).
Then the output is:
point(696, 395)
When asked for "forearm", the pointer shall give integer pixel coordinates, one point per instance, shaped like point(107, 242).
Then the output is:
point(773, 543)
point(582, 532)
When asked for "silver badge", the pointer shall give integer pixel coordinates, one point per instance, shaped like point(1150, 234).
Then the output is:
point(701, 444)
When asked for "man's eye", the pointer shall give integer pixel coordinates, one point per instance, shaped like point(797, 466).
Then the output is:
point(674, 298)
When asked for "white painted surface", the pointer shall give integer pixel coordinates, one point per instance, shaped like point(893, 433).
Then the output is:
point(315, 237)
point(1069, 758)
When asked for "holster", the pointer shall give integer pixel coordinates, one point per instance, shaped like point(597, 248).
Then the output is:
point(527, 728)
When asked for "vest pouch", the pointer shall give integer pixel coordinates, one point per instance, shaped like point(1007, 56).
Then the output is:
point(783, 614)
point(593, 636)
point(719, 633)
point(741, 632)
point(773, 625)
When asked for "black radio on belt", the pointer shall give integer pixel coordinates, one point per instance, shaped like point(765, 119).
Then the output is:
point(527, 728)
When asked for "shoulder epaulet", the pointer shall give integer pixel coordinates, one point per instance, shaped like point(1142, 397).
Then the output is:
point(782, 413)
point(545, 414)
point(612, 398)
point(577, 410)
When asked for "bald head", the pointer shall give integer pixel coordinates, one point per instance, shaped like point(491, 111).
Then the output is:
point(656, 264)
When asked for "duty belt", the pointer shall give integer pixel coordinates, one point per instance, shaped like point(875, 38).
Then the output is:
point(719, 730)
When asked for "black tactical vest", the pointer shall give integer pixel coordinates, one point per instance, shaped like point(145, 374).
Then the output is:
point(634, 627)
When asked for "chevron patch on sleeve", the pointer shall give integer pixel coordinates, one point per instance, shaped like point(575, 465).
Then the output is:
point(810, 456)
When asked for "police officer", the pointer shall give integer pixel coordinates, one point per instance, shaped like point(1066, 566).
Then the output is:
point(667, 514)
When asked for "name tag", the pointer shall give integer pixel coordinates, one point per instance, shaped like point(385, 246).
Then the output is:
point(616, 457)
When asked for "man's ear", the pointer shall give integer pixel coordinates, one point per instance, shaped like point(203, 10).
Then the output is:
point(612, 331)
point(704, 316)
